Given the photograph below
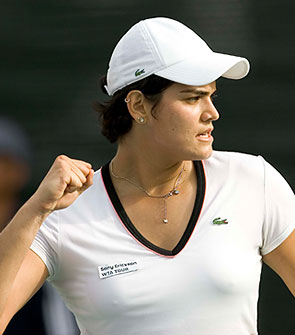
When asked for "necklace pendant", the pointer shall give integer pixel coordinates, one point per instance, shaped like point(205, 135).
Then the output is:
point(175, 192)
point(165, 220)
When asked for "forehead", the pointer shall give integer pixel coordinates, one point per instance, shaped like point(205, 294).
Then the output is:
point(182, 89)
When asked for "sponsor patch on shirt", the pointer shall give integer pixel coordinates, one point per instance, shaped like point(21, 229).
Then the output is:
point(106, 271)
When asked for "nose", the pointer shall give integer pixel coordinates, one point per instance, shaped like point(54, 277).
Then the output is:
point(210, 113)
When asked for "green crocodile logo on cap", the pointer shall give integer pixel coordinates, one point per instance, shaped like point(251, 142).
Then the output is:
point(218, 221)
point(139, 72)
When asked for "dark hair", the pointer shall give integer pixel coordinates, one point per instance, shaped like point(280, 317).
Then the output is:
point(114, 115)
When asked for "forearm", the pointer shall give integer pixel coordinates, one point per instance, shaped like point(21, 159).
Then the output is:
point(15, 241)
point(64, 182)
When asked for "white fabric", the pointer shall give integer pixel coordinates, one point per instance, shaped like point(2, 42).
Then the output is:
point(210, 287)
point(58, 320)
point(171, 50)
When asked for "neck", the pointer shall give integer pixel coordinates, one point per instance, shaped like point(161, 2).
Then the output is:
point(156, 176)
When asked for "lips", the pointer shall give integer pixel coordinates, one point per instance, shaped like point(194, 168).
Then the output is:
point(205, 135)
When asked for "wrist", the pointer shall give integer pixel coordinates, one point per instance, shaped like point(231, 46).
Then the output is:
point(34, 209)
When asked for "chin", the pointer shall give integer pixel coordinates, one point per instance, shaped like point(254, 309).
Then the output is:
point(201, 155)
point(209, 154)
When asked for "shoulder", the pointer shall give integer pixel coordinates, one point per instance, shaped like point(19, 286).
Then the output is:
point(235, 163)
point(231, 157)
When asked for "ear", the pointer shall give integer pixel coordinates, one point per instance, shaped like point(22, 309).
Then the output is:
point(138, 106)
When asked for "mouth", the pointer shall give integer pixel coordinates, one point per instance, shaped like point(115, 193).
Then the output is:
point(206, 135)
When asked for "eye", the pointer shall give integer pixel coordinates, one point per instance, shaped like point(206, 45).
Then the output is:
point(193, 99)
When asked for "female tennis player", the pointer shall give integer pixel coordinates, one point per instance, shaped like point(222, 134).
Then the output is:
point(169, 236)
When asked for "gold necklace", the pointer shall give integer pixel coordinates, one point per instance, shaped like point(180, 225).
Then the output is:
point(171, 193)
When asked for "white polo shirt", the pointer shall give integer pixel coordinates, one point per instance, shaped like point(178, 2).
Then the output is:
point(117, 282)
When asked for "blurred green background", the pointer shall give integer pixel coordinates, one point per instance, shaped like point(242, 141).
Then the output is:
point(53, 53)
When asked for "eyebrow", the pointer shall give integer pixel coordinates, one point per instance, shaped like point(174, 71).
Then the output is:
point(198, 92)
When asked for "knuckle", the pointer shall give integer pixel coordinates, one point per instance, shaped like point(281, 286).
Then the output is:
point(61, 158)
point(61, 164)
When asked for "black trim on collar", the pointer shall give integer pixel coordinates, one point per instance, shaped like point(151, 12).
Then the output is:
point(201, 185)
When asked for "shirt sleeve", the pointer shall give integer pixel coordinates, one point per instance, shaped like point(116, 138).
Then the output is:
point(45, 244)
point(279, 218)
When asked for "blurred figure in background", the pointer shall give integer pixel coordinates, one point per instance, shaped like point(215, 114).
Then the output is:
point(15, 156)
point(45, 313)
point(15, 161)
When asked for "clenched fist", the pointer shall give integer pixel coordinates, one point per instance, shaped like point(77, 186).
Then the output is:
point(64, 182)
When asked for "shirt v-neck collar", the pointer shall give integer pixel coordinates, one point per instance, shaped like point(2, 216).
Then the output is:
point(201, 186)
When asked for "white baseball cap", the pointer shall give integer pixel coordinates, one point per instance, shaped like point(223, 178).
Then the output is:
point(168, 49)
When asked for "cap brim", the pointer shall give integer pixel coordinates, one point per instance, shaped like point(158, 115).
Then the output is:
point(205, 69)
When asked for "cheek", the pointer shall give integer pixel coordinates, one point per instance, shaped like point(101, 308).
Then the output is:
point(182, 126)
point(175, 123)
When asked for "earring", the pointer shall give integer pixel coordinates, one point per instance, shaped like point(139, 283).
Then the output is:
point(141, 119)
point(127, 100)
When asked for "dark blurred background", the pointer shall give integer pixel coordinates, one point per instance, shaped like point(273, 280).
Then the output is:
point(54, 51)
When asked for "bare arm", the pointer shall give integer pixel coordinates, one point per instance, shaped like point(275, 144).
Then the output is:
point(29, 279)
point(282, 261)
point(21, 271)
